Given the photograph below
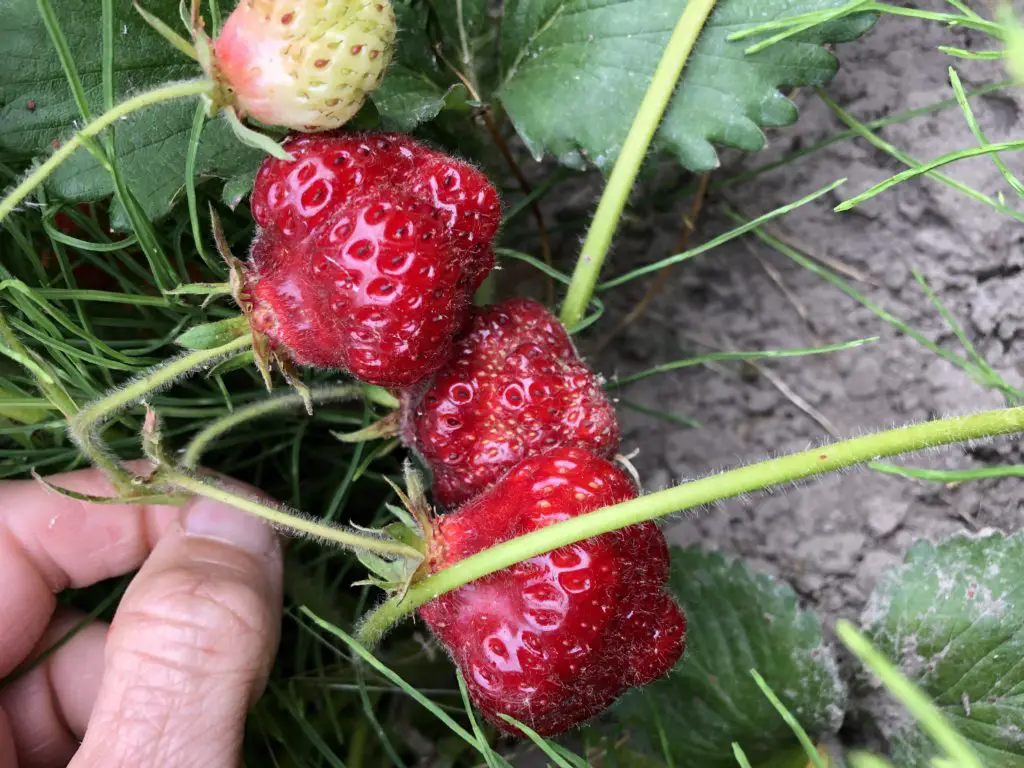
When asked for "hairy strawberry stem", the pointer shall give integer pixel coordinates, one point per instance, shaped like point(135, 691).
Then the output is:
point(202, 440)
point(86, 424)
point(725, 485)
point(289, 521)
point(620, 183)
point(97, 126)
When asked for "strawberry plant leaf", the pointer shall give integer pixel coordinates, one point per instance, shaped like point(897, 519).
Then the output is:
point(37, 109)
point(737, 620)
point(565, 62)
point(418, 85)
point(407, 99)
point(952, 617)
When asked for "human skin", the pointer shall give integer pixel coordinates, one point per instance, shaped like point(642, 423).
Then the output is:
point(170, 680)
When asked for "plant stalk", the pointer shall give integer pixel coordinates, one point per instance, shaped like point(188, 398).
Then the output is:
point(288, 521)
point(627, 166)
point(85, 425)
point(202, 440)
point(724, 485)
point(147, 99)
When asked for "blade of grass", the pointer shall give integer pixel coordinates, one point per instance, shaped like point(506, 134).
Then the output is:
point(540, 742)
point(972, 123)
point(723, 238)
point(813, 755)
point(966, 365)
point(190, 183)
point(956, 327)
point(387, 673)
point(742, 357)
point(938, 162)
point(482, 745)
point(534, 262)
point(917, 703)
point(816, 19)
point(862, 130)
point(949, 475)
point(671, 418)
point(740, 755)
point(308, 731)
point(963, 8)
point(962, 53)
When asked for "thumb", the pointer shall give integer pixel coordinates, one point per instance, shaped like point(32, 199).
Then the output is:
point(190, 647)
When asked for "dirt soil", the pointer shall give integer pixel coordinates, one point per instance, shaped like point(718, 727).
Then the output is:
point(830, 539)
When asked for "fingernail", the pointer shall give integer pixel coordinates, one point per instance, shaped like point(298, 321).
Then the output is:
point(213, 520)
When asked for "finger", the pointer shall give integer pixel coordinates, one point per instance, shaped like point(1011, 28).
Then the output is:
point(49, 542)
point(7, 754)
point(48, 707)
point(190, 646)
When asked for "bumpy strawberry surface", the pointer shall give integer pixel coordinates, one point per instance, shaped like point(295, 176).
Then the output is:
point(303, 65)
point(369, 250)
point(514, 387)
point(556, 639)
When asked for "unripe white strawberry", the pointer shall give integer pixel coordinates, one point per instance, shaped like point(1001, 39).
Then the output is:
point(307, 65)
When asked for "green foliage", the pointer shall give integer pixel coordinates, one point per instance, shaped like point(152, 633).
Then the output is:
point(574, 74)
point(737, 621)
point(952, 618)
point(37, 108)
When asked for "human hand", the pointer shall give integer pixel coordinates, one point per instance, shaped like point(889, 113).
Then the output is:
point(169, 682)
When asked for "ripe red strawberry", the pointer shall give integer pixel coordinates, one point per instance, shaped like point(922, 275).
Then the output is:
point(303, 65)
point(555, 640)
point(359, 263)
point(513, 387)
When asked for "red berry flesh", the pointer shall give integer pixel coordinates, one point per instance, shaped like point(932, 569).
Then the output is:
point(554, 640)
point(358, 264)
point(514, 387)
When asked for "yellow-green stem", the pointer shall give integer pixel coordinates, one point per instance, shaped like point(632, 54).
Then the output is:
point(202, 440)
point(754, 477)
point(627, 166)
point(86, 424)
point(169, 477)
point(97, 126)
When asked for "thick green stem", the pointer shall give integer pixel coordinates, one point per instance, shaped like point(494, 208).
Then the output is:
point(97, 126)
point(725, 485)
point(620, 183)
point(287, 520)
point(202, 440)
point(87, 422)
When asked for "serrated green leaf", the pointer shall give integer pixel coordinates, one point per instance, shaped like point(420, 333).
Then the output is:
point(150, 145)
point(736, 621)
point(576, 70)
point(952, 618)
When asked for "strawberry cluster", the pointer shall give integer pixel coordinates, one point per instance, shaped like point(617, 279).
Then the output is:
point(368, 251)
